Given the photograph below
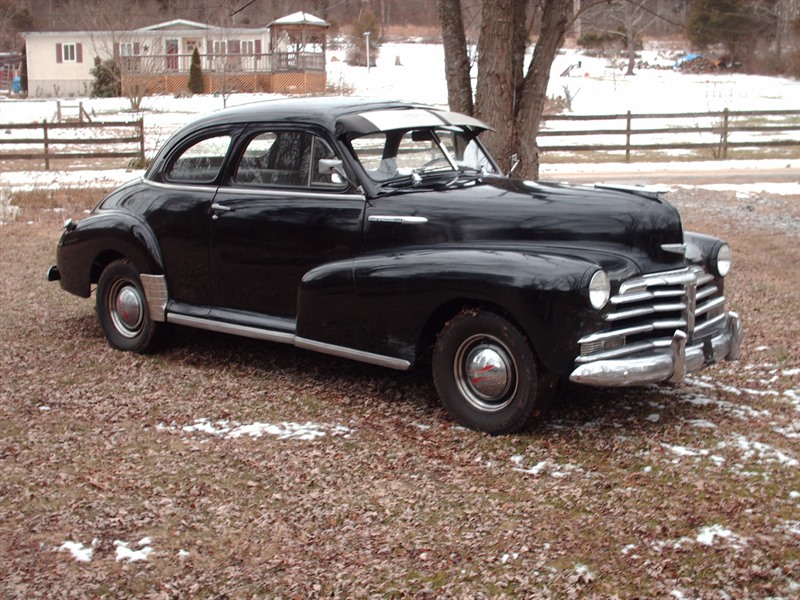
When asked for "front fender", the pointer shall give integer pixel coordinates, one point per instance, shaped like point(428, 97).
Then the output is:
point(104, 236)
point(383, 303)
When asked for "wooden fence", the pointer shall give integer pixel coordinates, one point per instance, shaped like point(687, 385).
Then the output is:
point(77, 140)
point(721, 127)
point(70, 141)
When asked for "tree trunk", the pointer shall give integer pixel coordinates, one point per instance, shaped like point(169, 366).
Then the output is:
point(494, 98)
point(519, 42)
point(556, 19)
point(630, 40)
point(456, 59)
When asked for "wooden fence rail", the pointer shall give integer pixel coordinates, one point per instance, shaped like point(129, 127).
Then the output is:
point(722, 125)
point(65, 141)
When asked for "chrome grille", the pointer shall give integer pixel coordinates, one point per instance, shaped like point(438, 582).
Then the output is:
point(647, 311)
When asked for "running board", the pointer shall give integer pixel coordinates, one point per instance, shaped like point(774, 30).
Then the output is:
point(289, 338)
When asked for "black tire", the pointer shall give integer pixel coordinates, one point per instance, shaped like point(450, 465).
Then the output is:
point(122, 309)
point(504, 401)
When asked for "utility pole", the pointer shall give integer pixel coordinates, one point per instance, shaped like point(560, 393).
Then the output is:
point(366, 39)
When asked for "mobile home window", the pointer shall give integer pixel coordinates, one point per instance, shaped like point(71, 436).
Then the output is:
point(68, 52)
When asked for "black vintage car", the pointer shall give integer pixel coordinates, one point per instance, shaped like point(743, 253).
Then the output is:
point(385, 233)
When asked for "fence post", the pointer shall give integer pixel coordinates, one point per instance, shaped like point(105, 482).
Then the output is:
point(628, 138)
point(46, 146)
point(141, 138)
point(724, 140)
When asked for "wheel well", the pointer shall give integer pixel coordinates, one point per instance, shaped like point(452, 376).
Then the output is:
point(447, 311)
point(101, 262)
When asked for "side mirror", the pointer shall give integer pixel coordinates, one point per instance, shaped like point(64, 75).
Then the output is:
point(334, 168)
point(329, 166)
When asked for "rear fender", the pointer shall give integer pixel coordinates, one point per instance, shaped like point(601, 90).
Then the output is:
point(103, 237)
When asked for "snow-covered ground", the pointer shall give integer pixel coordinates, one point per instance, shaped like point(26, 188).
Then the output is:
point(415, 72)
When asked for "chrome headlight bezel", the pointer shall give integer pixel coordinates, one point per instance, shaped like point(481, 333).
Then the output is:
point(599, 289)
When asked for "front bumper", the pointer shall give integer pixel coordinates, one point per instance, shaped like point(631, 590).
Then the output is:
point(666, 366)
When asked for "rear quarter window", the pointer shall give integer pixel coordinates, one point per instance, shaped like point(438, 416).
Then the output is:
point(200, 162)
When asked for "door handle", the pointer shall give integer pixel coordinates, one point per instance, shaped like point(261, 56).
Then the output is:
point(217, 207)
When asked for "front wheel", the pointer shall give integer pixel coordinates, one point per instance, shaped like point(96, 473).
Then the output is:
point(122, 309)
point(485, 373)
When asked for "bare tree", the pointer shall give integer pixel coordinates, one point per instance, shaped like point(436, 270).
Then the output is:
point(625, 21)
point(510, 99)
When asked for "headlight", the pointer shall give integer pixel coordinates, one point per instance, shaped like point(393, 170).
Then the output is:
point(599, 289)
point(723, 260)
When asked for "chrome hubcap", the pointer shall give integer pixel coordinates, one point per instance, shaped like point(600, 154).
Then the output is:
point(485, 373)
point(127, 308)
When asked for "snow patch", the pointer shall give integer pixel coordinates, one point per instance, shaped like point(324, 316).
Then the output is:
point(763, 453)
point(124, 551)
point(545, 466)
point(307, 431)
point(78, 551)
point(701, 423)
point(707, 535)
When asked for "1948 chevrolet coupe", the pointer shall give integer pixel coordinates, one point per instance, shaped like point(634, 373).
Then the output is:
point(384, 232)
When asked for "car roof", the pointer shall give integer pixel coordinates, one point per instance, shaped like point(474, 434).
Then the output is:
point(329, 112)
point(337, 114)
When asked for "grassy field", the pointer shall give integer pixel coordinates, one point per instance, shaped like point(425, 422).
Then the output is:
point(224, 467)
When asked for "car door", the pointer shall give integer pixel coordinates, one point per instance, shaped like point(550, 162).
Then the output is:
point(276, 218)
point(178, 214)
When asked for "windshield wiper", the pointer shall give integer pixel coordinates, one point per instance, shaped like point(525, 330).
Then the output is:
point(465, 175)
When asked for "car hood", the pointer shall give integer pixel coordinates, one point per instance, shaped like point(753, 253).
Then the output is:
point(564, 219)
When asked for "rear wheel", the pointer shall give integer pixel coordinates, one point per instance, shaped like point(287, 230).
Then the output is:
point(122, 309)
point(485, 372)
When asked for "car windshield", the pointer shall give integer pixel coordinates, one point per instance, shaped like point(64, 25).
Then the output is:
point(396, 154)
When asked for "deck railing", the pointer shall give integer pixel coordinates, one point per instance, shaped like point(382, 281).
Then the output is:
point(157, 64)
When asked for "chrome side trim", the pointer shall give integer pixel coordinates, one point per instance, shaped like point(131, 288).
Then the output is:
point(653, 191)
point(403, 220)
point(283, 193)
point(155, 292)
point(254, 191)
point(674, 248)
point(342, 352)
point(181, 187)
point(289, 338)
point(240, 330)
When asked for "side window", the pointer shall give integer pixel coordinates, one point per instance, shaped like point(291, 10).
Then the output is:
point(254, 164)
point(200, 162)
point(285, 158)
